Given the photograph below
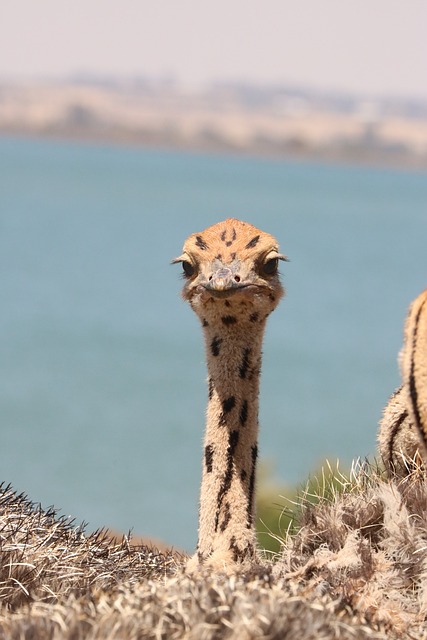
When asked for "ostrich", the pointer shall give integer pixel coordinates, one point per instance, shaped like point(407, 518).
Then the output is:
point(403, 429)
point(232, 283)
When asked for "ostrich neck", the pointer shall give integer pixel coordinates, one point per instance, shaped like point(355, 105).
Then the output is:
point(231, 448)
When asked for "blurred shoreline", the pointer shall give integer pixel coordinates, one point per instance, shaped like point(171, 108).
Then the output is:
point(272, 122)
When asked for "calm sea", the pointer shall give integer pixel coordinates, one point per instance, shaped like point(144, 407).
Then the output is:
point(102, 375)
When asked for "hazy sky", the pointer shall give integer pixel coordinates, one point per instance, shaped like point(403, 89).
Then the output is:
point(373, 46)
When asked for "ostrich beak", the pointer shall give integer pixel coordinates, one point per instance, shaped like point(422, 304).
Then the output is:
point(221, 280)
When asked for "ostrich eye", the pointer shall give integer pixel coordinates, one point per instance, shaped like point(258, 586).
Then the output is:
point(188, 269)
point(270, 267)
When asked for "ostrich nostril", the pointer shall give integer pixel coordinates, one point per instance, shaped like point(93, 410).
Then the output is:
point(210, 278)
point(237, 278)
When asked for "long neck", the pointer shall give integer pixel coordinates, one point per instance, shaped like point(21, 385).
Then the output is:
point(226, 514)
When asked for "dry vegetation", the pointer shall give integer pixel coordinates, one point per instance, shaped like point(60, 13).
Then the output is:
point(356, 567)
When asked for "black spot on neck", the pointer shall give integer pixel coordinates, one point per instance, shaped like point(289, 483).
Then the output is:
point(228, 320)
point(228, 404)
point(227, 517)
point(243, 415)
point(252, 486)
point(205, 323)
point(252, 243)
point(215, 345)
point(233, 440)
point(394, 433)
point(254, 453)
point(413, 392)
point(235, 549)
point(210, 388)
point(240, 554)
point(254, 317)
point(209, 457)
point(243, 369)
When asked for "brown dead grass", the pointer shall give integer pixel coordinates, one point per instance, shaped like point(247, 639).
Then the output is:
point(356, 568)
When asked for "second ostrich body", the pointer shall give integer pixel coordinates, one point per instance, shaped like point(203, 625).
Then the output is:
point(232, 283)
point(403, 429)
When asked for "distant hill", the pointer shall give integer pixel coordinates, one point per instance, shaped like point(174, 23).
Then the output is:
point(262, 120)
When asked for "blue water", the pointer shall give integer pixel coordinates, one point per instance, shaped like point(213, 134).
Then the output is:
point(102, 375)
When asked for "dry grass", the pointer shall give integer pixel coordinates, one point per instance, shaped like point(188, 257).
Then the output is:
point(356, 568)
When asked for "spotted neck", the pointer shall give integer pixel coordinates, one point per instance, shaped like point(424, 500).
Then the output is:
point(226, 514)
point(232, 283)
